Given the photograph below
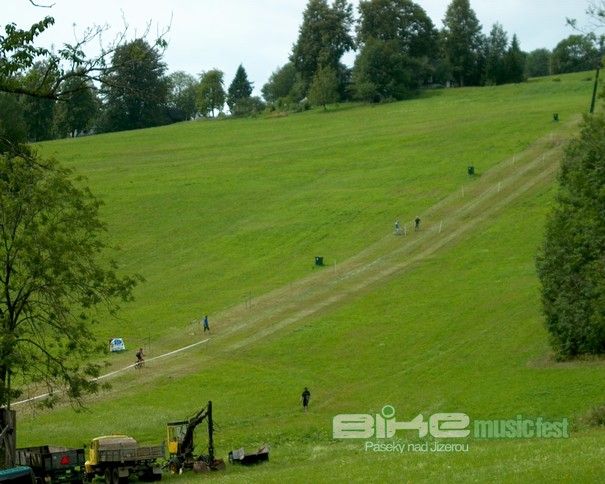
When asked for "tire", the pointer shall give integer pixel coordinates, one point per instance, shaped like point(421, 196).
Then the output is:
point(108, 476)
point(150, 476)
point(116, 476)
point(174, 467)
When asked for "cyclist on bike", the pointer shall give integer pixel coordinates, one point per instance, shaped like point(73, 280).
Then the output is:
point(140, 358)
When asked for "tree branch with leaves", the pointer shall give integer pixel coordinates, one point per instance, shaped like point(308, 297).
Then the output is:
point(19, 52)
point(54, 283)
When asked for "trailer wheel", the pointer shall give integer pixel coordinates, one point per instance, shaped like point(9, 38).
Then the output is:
point(116, 476)
point(150, 476)
point(108, 476)
point(174, 467)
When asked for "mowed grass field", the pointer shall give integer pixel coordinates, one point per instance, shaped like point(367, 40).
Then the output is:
point(211, 213)
point(216, 214)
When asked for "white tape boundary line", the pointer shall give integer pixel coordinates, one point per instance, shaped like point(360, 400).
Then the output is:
point(121, 370)
point(432, 248)
point(321, 286)
point(467, 207)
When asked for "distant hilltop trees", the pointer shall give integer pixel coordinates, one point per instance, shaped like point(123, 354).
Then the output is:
point(399, 51)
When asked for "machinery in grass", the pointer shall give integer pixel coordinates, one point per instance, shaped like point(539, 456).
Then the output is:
point(53, 464)
point(117, 457)
point(120, 458)
point(239, 456)
point(181, 447)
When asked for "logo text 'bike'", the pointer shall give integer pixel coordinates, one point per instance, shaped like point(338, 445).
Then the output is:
point(385, 426)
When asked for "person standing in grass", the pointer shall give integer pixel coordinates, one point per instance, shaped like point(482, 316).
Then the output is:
point(306, 396)
point(417, 223)
point(206, 325)
point(397, 228)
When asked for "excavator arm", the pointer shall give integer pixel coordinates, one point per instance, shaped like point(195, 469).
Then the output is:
point(187, 445)
point(182, 456)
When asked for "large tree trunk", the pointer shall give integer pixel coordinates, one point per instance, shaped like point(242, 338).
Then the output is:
point(3, 375)
point(8, 438)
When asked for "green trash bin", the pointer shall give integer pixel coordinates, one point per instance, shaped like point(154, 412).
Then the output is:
point(319, 261)
point(471, 170)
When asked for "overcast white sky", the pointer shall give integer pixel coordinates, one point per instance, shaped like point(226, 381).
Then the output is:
point(221, 34)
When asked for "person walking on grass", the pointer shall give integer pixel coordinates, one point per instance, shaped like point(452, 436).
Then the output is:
point(206, 325)
point(417, 223)
point(306, 396)
point(397, 228)
point(140, 359)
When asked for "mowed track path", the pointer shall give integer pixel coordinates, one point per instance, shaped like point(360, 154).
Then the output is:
point(445, 223)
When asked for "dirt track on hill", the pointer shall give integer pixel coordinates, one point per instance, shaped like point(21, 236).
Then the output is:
point(445, 223)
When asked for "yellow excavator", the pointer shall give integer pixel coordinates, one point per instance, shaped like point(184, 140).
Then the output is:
point(181, 446)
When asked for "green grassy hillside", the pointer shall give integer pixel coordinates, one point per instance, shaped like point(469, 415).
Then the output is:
point(210, 212)
point(225, 218)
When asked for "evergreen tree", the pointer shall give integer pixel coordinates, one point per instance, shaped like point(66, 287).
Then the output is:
point(571, 261)
point(239, 92)
point(514, 62)
point(462, 42)
point(496, 47)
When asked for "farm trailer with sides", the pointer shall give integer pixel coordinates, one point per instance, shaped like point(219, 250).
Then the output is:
point(117, 457)
point(53, 464)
